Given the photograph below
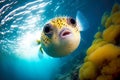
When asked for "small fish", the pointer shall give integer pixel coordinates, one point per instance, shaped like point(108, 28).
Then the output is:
point(61, 35)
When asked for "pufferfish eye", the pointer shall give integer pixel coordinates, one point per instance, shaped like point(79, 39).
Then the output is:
point(47, 29)
point(72, 21)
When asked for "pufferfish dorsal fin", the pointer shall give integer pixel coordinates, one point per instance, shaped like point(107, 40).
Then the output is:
point(82, 22)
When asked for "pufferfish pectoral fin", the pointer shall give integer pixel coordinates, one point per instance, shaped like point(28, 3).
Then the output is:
point(38, 42)
point(82, 22)
point(41, 49)
point(40, 53)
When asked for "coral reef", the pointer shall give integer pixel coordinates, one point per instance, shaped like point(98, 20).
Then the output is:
point(102, 61)
point(70, 70)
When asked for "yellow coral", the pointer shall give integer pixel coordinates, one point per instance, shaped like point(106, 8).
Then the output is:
point(103, 57)
point(98, 35)
point(104, 77)
point(114, 18)
point(88, 71)
point(86, 59)
point(108, 22)
point(98, 43)
point(115, 8)
point(111, 33)
point(104, 18)
point(104, 53)
point(112, 68)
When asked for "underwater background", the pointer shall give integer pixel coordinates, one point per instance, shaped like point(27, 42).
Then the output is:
point(21, 22)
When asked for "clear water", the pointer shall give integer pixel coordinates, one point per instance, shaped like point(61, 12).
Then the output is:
point(21, 22)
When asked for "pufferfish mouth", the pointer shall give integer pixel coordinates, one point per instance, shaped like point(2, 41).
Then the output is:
point(65, 33)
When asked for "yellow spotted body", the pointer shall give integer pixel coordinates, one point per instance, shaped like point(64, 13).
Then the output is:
point(56, 46)
point(59, 22)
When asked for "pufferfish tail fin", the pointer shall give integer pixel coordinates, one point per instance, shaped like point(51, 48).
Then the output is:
point(82, 22)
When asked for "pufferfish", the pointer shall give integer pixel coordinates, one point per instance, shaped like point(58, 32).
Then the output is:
point(61, 35)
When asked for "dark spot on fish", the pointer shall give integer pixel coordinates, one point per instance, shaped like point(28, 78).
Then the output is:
point(48, 30)
point(60, 20)
point(71, 21)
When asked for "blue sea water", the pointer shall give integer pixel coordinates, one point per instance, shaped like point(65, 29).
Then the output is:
point(21, 22)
